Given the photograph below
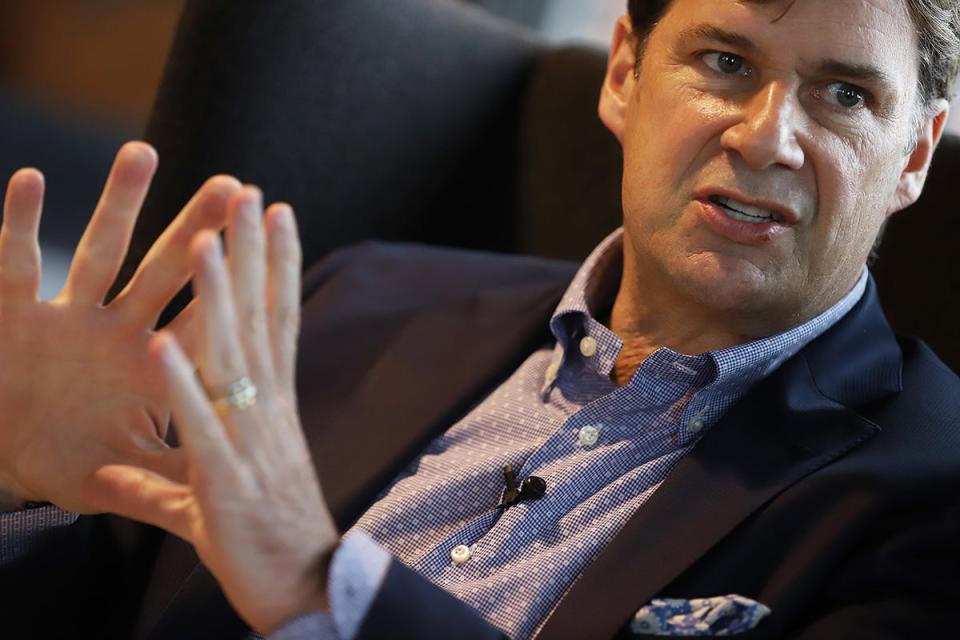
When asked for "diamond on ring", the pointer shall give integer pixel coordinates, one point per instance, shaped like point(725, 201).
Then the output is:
point(240, 395)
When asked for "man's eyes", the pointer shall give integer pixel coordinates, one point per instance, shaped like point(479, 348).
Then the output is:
point(839, 95)
point(727, 63)
point(844, 95)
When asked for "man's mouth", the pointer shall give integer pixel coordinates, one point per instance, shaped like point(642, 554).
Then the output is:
point(744, 212)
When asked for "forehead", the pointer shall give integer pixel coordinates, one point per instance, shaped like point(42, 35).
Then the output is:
point(865, 33)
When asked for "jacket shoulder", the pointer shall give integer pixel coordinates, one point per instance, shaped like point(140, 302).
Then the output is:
point(921, 424)
point(409, 276)
point(928, 386)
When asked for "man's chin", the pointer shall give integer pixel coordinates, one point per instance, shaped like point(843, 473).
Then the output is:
point(731, 285)
point(728, 297)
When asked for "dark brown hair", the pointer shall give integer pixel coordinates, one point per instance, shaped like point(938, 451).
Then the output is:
point(938, 34)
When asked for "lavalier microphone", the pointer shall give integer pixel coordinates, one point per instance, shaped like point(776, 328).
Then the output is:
point(531, 488)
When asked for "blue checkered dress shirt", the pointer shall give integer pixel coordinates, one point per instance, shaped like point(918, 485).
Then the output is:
point(543, 421)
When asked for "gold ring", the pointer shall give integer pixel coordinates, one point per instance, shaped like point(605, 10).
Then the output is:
point(240, 395)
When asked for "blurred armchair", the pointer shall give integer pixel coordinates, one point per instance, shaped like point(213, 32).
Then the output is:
point(431, 121)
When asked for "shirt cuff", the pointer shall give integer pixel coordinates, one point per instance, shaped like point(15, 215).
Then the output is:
point(357, 571)
point(21, 530)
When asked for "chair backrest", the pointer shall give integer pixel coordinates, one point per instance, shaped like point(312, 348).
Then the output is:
point(428, 120)
point(917, 273)
point(396, 120)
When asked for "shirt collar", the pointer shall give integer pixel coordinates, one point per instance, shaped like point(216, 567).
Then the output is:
point(727, 373)
point(586, 301)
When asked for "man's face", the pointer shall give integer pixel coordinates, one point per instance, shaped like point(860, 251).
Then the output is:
point(761, 155)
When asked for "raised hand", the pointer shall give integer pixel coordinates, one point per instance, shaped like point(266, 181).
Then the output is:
point(77, 388)
point(252, 505)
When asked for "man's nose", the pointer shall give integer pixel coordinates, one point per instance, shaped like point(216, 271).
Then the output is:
point(766, 134)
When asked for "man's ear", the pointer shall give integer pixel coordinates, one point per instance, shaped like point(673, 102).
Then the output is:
point(618, 82)
point(914, 173)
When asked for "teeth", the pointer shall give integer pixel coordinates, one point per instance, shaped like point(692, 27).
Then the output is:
point(745, 212)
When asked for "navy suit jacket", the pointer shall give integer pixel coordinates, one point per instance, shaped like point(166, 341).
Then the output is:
point(829, 492)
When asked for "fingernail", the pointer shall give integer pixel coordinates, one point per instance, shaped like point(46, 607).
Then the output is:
point(252, 202)
point(283, 219)
point(139, 152)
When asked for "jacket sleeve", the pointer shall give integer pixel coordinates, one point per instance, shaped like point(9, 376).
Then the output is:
point(22, 530)
point(373, 595)
point(410, 606)
point(405, 606)
point(88, 575)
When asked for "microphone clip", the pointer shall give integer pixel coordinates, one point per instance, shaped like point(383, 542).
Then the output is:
point(531, 488)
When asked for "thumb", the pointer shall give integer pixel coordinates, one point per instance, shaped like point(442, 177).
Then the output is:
point(142, 495)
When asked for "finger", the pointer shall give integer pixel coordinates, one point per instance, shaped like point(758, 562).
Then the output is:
point(183, 327)
point(105, 242)
point(246, 256)
point(166, 267)
point(201, 433)
point(220, 354)
point(284, 259)
point(142, 495)
point(19, 246)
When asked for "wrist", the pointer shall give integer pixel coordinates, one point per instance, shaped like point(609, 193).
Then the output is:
point(311, 597)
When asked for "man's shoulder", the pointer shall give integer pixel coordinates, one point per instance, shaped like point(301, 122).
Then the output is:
point(414, 274)
point(928, 386)
point(921, 423)
point(893, 381)
point(921, 365)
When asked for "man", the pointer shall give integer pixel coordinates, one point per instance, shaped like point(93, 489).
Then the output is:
point(795, 477)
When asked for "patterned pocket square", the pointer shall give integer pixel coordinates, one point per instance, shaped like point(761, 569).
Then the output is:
point(717, 616)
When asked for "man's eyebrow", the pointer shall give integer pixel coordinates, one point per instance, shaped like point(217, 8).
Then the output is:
point(717, 34)
point(828, 67)
point(860, 72)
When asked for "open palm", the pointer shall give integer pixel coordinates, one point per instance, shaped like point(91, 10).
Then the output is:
point(251, 503)
point(77, 390)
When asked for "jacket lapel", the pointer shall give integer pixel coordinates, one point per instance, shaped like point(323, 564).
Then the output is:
point(786, 428)
point(754, 453)
point(438, 364)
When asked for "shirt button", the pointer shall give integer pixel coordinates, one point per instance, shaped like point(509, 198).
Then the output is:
point(552, 372)
point(695, 425)
point(588, 435)
point(460, 553)
point(588, 346)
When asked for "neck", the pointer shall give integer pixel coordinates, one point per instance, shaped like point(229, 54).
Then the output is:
point(647, 317)
point(647, 325)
